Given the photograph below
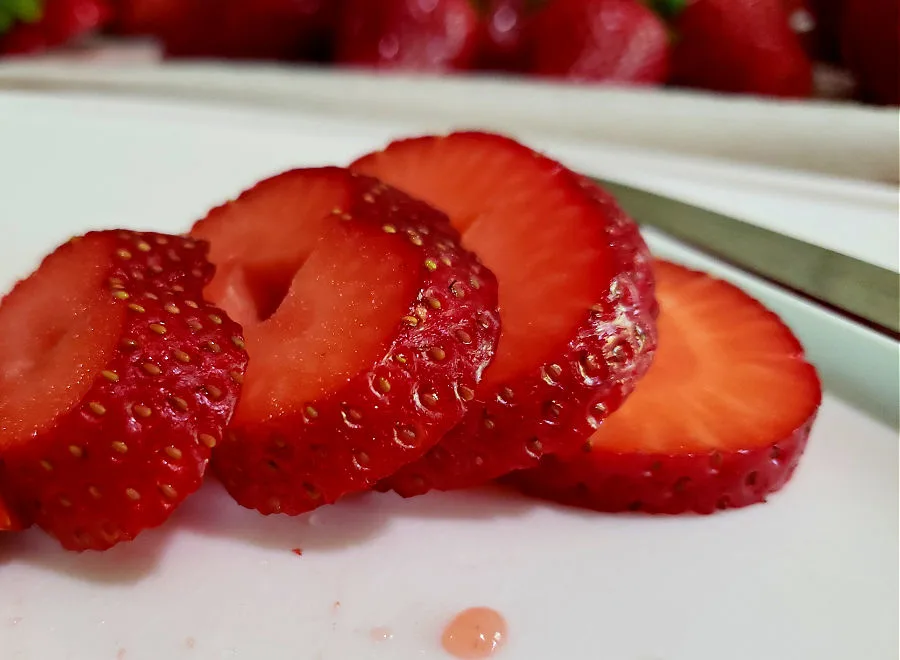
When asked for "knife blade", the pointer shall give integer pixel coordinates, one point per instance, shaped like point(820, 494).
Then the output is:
point(852, 286)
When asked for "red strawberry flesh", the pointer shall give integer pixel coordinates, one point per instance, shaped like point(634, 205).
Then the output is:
point(576, 333)
point(367, 326)
point(9, 522)
point(720, 420)
point(324, 298)
point(62, 328)
point(496, 212)
point(336, 326)
point(116, 379)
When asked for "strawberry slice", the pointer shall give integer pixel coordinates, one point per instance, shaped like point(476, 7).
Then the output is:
point(368, 328)
point(116, 379)
point(575, 300)
point(9, 522)
point(720, 420)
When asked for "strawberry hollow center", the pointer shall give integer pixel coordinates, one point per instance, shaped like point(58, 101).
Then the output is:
point(319, 298)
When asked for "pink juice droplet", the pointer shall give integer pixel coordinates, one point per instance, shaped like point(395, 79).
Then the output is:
point(477, 632)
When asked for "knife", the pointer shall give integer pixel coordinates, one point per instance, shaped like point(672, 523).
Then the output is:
point(858, 289)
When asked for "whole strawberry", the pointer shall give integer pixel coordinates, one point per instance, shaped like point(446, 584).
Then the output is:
point(54, 23)
point(116, 380)
point(504, 35)
point(240, 29)
point(828, 15)
point(870, 40)
point(620, 41)
point(803, 21)
point(440, 35)
point(744, 46)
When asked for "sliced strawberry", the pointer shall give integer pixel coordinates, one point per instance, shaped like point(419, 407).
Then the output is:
point(720, 420)
point(397, 34)
point(368, 328)
point(617, 41)
point(116, 379)
point(577, 329)
point(60, 22)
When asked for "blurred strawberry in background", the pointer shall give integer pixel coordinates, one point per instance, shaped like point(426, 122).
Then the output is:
point(619, 41)
point(803, 22)
point(141, 17)
point(827, 14)
point(32, 26)
point(239, 29)
point(744, 46)
point(504, 37)
point(760, 47)
point(870, 44)
point(420, 35)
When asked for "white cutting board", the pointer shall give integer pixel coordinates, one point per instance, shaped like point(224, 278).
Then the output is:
point(810, 576)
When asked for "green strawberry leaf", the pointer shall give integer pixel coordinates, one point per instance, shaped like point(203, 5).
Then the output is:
point(13, 11)
point(668, 9)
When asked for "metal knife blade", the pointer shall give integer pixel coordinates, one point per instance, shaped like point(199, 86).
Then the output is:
point(854, 287)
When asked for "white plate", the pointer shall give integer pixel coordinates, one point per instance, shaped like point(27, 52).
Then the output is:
point(783, 133)
point(812, 575)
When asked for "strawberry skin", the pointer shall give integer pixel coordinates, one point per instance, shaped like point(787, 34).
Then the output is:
point(139, 17)
point(397, 34)
point(870, 40)
point(617, 41)
point(255, 29)
point(828, 19)
point(504, 35)
point(116, 380)
point(62, 21)
point(575, 299)
point(278, 29)
point(720, 421)
point(371, 349)
point(743, 46)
